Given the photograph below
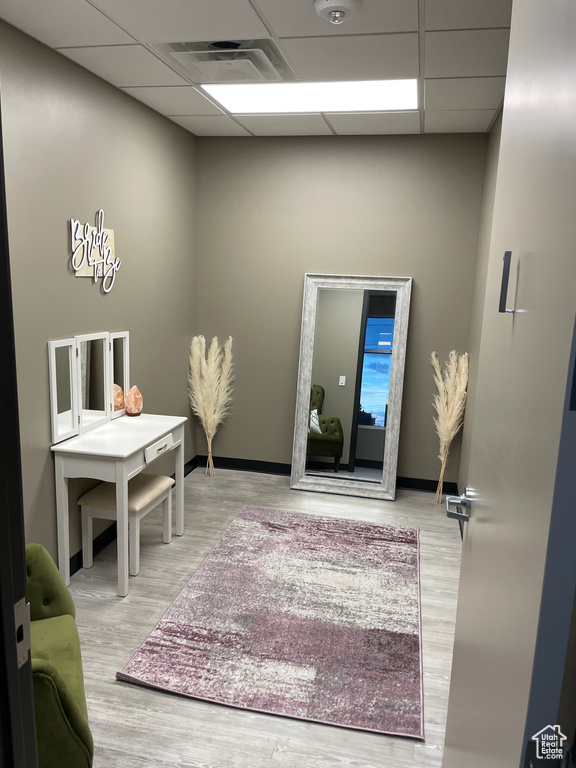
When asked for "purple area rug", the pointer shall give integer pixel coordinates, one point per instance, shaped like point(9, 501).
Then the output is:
point(290, 614)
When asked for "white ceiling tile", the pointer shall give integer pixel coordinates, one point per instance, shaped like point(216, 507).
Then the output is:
point(374, 16)
point(211, 126)
point(470, 53)
point(458, 121)
point(368, 123)
point(465, 50)
point(124, 65)
point(173, 21)
point(464, 93)
point(467, 14)
point(369, 57)
point(66, 22)
point(285, 125)
point(175, 100)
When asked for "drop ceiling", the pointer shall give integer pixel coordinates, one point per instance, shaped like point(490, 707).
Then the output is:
point(456, 48)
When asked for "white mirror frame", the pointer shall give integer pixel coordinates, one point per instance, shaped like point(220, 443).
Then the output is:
point(58, 433)
point(59, 430)
point(126, 364)
point(306, 482)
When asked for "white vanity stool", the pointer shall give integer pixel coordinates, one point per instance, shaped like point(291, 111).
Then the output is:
point(145, 493)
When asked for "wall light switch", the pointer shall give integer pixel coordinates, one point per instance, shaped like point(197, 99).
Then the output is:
point(342, 381)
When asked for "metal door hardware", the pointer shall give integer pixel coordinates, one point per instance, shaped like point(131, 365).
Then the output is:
point(504, 285)
point(22, 625)
point(458, 507)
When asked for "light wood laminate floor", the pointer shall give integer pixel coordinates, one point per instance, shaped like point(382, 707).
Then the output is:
point(135, 727)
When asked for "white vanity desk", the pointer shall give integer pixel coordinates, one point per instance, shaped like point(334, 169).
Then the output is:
point(115, 452)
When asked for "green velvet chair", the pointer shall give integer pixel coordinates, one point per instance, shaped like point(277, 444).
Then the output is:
point(330, 443)
point(64, 737)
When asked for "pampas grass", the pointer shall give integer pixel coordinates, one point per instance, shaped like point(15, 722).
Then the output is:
point(210, 379)
point(450, 404)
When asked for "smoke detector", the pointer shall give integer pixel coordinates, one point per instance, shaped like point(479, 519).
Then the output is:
point(336, 11)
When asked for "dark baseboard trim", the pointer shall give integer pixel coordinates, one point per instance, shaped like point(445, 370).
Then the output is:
point(325, 466)
point(189, 466)
point(246, 465)
point(250, 465)
point(100, 542)
point(274, 468)
point(416, 484)
point(369, 464)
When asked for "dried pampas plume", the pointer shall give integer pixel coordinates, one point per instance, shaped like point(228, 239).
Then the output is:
point(210, 386)
point(450, 404)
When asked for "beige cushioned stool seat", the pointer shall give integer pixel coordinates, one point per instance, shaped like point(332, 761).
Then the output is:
point(145, 492)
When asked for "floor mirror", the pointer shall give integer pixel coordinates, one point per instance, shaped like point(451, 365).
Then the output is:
point(350, 380)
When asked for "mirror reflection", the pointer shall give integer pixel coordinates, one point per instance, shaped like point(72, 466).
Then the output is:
point(64, 403)
point(64, 384)
point(351, 368)
point(63, 408)
point(119, 366)
point(350, 382)
point(118, 363)
point(92, 377)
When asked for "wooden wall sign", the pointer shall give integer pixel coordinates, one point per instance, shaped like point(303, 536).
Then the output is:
point(93, 252)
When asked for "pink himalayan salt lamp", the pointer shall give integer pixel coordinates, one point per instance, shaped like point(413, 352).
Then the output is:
point(133, 402)
point(118, 398)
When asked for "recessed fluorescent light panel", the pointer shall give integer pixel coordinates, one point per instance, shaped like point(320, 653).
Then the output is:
point(291, 98)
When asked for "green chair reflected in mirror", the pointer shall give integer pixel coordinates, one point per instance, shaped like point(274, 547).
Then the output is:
point(329, 441)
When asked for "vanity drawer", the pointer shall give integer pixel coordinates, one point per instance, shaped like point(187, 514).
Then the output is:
point(158, 448)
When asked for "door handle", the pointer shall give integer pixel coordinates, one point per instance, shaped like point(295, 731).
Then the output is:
point(22, 624)
point(458, 507)
point(504, 285)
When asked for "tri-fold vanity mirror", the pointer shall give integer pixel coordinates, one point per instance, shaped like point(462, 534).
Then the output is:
point(85, 372)
point(350, 380)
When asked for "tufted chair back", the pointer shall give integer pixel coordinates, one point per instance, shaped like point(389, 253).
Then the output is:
point(317, 398)
point(46, 591)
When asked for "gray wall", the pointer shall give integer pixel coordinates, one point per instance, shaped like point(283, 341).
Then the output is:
point(479, 293)
point(74, 144)
point(268, 210)
point(271, 209)
point(338, 322)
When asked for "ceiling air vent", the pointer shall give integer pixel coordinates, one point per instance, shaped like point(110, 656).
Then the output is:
point(226, 61)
